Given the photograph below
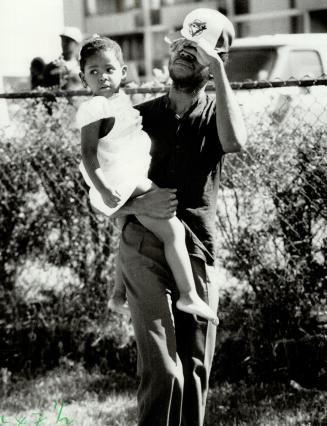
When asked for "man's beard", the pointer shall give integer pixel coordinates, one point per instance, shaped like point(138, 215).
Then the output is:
point(190, 83)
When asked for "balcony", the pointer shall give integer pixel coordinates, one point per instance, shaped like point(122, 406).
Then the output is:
point(129, 22)
point(172, 16)
point(113, 24)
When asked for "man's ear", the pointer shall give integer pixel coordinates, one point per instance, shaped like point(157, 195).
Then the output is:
point(81, 76)
point(124, 73)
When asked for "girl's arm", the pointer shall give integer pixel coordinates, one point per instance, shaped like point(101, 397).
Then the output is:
point(89, 144)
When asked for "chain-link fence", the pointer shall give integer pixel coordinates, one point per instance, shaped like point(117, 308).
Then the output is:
point(57, 255)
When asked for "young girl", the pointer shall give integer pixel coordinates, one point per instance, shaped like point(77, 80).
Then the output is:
point(115, 162)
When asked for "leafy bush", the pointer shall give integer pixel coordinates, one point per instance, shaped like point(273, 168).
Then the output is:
point(56, 255)
point(272, 221)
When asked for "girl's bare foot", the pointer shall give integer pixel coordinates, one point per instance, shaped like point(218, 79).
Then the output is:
point(193, 304)
point(119, 305)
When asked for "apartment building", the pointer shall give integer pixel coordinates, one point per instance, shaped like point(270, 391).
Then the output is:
point(140, 25)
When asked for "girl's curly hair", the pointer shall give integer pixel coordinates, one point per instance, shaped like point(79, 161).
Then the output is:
point(97, 43)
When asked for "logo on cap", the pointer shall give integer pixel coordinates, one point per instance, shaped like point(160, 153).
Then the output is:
point(197, 27)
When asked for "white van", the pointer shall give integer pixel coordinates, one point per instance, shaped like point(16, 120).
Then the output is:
point(281, 57)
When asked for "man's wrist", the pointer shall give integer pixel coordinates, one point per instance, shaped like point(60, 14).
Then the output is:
point(216, 66)
point(134, 206)
point(131, 207)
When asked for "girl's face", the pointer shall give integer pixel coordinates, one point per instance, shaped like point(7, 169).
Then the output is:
point(103, 73)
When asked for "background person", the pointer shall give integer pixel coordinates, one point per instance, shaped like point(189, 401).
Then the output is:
point(37, 68)
point(190, 133)
point(64, 71)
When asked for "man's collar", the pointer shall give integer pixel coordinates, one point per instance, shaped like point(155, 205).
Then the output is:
point(199, 102)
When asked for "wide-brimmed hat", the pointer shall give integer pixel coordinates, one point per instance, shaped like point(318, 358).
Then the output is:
point(209, 25)
point(73, 33)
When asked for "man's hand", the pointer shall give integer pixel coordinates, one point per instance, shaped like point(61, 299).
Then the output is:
point(110, 197)
point(176, 45)
point(205, 54)
point(160, 203)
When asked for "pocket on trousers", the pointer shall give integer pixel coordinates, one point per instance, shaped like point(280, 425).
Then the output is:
point(131, 242)
point(152, 250)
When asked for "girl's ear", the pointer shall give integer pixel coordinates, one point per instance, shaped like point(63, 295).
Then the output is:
point(81, 76)
point(123, 73)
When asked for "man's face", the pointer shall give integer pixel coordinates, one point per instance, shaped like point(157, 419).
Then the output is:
point(184, 68)
point(69, 48)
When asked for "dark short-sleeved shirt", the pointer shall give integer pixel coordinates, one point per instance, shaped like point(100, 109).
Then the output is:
point(187, 155)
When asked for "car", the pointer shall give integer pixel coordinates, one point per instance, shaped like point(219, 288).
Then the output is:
point(281, 57)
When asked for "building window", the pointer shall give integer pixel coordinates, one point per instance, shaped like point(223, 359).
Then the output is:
point(132, 46)
point(318, 20)
point(241, 6)
point(155, 18)
point(91, 7)
point(103, 7)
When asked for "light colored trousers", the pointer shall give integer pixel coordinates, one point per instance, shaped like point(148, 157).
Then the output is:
point(175, 350)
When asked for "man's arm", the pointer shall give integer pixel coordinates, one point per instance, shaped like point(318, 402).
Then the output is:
point(229, 120)
point(160, 203)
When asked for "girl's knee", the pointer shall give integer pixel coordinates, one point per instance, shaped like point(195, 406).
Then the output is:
point(173, 229)
point(166, 230)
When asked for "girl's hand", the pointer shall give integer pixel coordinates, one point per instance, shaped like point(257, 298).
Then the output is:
point(111, 197)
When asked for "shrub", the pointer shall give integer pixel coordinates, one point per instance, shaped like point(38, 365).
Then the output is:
point(272, 223)
point(56, 255)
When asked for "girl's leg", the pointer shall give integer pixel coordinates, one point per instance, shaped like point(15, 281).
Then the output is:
point(172, 233)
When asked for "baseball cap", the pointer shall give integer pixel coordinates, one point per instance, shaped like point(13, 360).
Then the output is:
point(209, 25)
point(72, 32)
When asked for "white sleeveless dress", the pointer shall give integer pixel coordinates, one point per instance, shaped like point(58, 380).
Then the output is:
point(123, 154)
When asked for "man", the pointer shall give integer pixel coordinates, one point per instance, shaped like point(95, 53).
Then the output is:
point(190, 135)
point(64, 71)
point(37, 72)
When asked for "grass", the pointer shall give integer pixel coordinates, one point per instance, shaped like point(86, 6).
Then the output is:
point(93, 399)
point(266, 405)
